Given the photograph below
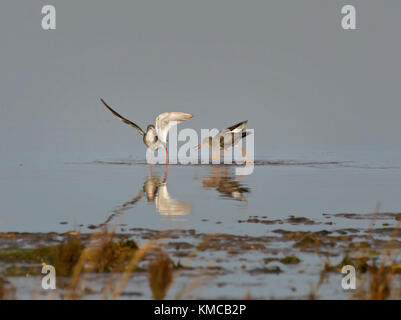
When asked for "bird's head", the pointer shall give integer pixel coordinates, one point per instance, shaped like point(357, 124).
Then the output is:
point(205, 142)
point(150, 127)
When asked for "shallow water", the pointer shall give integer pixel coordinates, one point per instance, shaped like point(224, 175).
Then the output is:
point(313, 183)
point(37, 198)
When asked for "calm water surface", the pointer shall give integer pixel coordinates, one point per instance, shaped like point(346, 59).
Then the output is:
point(38, 197)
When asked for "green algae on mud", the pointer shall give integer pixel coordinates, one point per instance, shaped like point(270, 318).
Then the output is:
point(213, 255)
point(64, 256)
point(290, 260)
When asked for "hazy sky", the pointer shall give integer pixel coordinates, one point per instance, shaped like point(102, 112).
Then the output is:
point(286, 66)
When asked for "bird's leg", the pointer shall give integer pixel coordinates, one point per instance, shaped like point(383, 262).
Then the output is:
point(149, 161)
point(244, 154)
point(217, 154)
point(166, 174)
point(150, 171)
point(167, 162)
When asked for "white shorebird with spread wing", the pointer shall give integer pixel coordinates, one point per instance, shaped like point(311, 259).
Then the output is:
point(156, 137)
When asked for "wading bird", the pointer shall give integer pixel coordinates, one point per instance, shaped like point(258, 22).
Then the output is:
point(226, 138)
point(156, 137)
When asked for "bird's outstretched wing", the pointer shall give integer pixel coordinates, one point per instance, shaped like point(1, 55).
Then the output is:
point(230, 136)
point(123, 119)
point(238, 127)
point(166, 120)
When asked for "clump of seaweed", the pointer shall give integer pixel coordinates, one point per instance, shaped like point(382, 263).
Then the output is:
point(65, 256)
point(266, 270)
point(308, 240)
point(108, 255)
point(299, 220)
point(290, 260)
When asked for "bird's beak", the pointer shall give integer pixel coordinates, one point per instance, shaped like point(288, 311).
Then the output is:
point(198, 146)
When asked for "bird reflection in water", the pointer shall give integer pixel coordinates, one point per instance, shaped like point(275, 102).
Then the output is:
point(155, 189)
point(225, 184)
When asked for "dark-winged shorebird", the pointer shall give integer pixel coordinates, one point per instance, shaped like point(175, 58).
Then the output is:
point(226, 138)
point(155, 137)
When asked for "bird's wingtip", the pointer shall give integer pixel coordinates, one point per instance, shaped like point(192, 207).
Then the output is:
point(104, 102)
